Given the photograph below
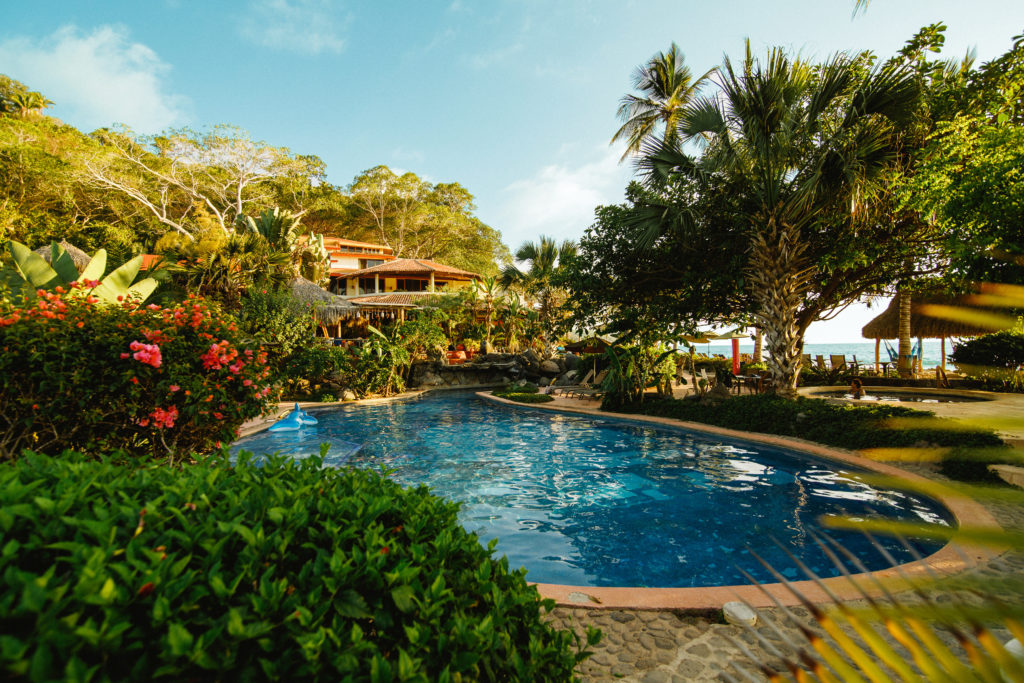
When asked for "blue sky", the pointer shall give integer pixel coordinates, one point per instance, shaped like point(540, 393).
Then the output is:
point(513, 99)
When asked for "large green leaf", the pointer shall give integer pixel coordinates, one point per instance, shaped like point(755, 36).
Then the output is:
point(119, 281)
point(32, 267)
point(98, 264)
point(62, 264)
point(143, 288)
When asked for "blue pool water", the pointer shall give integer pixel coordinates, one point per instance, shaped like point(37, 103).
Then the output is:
point(606, 502)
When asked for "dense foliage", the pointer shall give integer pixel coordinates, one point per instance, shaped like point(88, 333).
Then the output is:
point(809, 186)
point(287, 570)
point(160, 381)
point(124, 192)
point(631, 369)
point(276, 320)
point(996, 356)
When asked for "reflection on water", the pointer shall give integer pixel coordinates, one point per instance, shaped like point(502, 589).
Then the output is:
point(606, 502)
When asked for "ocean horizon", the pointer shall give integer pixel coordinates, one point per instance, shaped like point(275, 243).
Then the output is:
point(864, 351)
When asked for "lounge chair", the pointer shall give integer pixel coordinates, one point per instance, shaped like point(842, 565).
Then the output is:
point(837, 361)
point(819, 362)
point(588, 390)
point(569, 387)
point(805, 360)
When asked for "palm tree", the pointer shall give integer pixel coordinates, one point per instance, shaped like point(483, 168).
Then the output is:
point(29, 103)
point(513, 316)
point(488, 289)
point(667, 86)
point(543, 260)
point(802, 143)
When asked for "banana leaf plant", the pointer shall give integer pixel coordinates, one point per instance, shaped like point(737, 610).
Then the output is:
point(30, 272)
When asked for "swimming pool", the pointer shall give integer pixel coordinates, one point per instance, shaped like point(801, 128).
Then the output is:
point(607, 502)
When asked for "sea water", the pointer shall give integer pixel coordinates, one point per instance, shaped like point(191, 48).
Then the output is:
point(865, 351)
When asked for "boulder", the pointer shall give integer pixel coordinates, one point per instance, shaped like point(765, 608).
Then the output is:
point(430, 379)
point(550, 367)
point(543, 382)
point(738, 614)
point(348, 395)
point(572, 361)
point(566, 379)
point(531, 357)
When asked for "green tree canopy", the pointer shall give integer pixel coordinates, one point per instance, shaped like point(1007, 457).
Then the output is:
point(419, 219)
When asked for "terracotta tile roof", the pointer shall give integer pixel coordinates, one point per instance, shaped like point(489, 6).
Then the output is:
point(408, 266)
point(341, 241)
point(391, 299)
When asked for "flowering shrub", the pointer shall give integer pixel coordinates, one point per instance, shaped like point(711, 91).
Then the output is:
point(164, 381)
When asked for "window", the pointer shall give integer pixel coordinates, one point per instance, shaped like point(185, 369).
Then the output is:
point(366, 285)
point(369, 262)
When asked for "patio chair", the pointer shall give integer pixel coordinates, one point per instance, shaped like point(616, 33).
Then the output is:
point(588, 390)
point(569, 387)
point(819, 363)
point(837, 361)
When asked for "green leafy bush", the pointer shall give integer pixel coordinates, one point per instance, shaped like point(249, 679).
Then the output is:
point(845, 426)
point(76, 374)
point(289, 571)
point(996, 356)
point(632, 369)
point(276, 320)
point(308, 367)
point(422, 336)
point(521, 386)
point(381, 364)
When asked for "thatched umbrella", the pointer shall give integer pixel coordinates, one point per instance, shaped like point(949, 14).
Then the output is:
point(328, 309)
point(78, 257)
point(886, 325)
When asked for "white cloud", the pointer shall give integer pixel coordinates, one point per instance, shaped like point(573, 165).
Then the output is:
point(403, 155)
point(492, 57)
point(96, 79)
point(559, 199)
point(304, 26)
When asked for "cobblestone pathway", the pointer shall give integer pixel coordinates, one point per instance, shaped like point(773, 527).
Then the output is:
point(655, 647)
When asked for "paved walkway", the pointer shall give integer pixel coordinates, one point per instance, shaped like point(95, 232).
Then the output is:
point(658, 646)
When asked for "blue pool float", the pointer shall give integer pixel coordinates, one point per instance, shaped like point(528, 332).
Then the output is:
point(297, 419)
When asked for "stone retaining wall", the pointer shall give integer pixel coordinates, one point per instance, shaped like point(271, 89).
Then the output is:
point(495, 368)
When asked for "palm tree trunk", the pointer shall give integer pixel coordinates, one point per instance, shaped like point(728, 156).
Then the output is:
point(758, 345)
point(905, 364)
point(779, 277)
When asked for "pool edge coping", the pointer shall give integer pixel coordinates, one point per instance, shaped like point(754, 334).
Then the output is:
point(952, 558)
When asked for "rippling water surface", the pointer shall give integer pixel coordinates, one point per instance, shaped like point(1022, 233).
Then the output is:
point(608, 502)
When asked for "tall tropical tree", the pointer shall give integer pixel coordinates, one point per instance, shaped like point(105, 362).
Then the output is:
point(801, 145)
point(667, 86)
point(542, 260)
point(487, 288)
point(29, 103)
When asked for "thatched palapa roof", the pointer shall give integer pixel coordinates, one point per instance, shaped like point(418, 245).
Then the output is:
point(78, 257)
point(886, 325)
point(328, 309)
